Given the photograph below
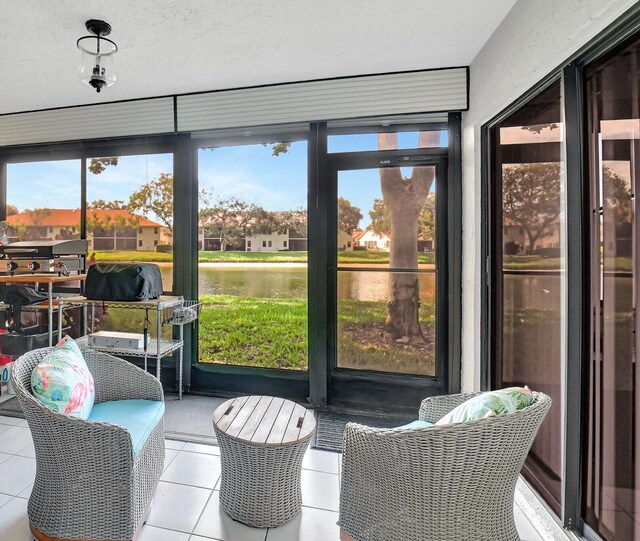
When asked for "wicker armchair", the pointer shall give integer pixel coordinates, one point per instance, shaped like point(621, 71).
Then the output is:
point(89, 484)
point(446, 483)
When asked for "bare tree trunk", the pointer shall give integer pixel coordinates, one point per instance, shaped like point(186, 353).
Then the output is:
point(532, 242)
point(404, 199)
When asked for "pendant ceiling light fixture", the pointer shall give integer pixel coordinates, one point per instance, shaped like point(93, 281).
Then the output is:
point(96, 68)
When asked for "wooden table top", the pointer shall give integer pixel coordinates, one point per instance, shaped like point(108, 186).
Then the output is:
point(264, 420)
point(41, 278)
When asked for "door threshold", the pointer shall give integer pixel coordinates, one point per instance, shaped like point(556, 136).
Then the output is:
point(542, 519)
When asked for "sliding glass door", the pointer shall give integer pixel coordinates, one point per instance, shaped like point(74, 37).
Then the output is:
point(527, 268)
point(612, 499)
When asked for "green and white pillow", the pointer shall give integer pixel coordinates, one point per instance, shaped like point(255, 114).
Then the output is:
point(489, 404)
point(62, 380)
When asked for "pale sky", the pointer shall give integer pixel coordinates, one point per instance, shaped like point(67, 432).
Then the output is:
point(248, 172)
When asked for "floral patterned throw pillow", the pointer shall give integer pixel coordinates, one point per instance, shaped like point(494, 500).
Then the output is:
point(489, 404)
point(62, 380)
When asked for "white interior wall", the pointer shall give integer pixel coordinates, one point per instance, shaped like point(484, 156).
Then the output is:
point(535, 37)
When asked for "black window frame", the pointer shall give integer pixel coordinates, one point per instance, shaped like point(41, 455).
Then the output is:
point(310, 386)
point(235, 379)
point(342, 387)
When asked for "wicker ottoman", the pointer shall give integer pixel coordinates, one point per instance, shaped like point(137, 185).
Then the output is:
point(262, 442)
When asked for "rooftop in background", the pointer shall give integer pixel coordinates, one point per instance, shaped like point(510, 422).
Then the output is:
point(71, 217)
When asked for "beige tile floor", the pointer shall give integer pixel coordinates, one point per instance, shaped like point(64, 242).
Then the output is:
point(186, 505)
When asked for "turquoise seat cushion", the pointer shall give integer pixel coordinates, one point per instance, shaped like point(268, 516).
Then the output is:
point(139, 417)
point(416, 424)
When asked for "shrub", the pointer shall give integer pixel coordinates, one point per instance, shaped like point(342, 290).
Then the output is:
point(164, 248)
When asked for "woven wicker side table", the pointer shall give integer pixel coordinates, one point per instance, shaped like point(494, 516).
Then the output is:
point(262, 442)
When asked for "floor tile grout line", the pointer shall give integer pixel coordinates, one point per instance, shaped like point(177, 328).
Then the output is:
point(187, 485)
point(201, 513)
point(166, 529)
point(320, 508)
point(321, 471)
point(194, 535)
point(195, 452)
point(212, 454)
point(16, 495)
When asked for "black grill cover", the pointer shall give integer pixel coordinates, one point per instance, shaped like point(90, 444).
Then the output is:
point(123, 282)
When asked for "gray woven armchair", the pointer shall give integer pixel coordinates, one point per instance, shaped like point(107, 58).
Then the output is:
point(89, 482)
point(445, 483)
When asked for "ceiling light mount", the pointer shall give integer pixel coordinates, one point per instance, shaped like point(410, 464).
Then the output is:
point(98, 27)
point(96, 68)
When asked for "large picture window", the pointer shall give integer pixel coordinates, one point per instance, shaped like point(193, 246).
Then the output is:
point(43, 200)
point(252, 254)
point(130, 210)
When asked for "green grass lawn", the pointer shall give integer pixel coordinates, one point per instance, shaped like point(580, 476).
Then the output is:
point(530, 262)
point(377, 257)
point(131, 255)
point(204, 257)
point(535, 262)
point(365, 354)
point(272, 333)
point(252, 257)
point(364, 256)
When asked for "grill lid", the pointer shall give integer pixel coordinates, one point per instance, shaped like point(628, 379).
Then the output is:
point(44, 248)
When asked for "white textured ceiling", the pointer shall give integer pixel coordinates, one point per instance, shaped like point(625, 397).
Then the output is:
point(178, 46)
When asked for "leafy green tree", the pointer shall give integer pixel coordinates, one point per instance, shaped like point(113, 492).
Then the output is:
point(116, 204)
point(155, 197)
point(293, 221)
point(230, 220)
point(279, 148)
point(98, 165)
point(31, 231)
point(380, 223)
point(531, 198)
point(105, 225)
point(617, 216)
point(349, 216)
point(427, 219)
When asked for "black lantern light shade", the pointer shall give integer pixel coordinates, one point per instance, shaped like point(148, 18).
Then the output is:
point(96, 68)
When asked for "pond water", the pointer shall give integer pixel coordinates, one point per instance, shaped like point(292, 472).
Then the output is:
point(282, 281)
point(521, 290)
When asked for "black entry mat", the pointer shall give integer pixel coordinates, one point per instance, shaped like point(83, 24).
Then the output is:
point(330, 428)
point(11, 408)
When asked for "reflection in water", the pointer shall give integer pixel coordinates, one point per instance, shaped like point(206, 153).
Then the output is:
point(261, 282)
point(291, 282)
point(374, 286)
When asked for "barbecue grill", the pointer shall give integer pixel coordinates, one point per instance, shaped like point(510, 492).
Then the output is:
point(61, 257)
